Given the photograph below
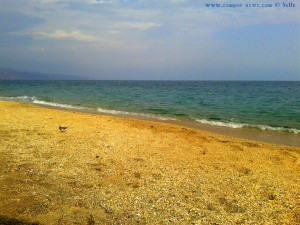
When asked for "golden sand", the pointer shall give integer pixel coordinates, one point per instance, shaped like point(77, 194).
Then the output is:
point(110, 170)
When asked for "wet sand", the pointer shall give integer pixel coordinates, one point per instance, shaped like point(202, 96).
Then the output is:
point(111, 170)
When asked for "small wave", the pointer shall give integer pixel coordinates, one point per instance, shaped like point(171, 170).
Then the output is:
point(24, 98)
point(236, 125)
point(221, 124)
point(54, 104)
point(117, 112)
point(265, 127)
point(35, 100)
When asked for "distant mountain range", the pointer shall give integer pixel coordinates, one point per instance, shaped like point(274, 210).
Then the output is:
point(11, 74)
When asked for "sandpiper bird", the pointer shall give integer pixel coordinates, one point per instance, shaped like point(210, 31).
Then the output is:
point(62, 129)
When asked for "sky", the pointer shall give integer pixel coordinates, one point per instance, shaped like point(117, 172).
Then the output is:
point(151, 39)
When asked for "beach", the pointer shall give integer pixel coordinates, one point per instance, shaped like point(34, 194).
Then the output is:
point(110, 170)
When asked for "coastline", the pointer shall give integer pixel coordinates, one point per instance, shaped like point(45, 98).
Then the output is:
point(272, 137)
point(120, 170)
point(275, 136)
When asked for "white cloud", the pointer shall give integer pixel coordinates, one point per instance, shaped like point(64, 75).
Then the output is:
point(99, 1)
point(177, 1)
point(135, 25)
point(70, 1)
point(49, 1)
point(64, 35)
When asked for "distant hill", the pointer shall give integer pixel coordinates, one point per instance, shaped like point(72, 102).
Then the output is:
point(11, 74)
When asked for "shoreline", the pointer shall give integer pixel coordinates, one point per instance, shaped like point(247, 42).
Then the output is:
point(273, 137)
point(112, 170)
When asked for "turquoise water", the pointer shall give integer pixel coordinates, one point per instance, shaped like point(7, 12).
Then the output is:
point(271, 106)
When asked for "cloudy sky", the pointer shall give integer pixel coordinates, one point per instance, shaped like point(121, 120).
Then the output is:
point(151, 39)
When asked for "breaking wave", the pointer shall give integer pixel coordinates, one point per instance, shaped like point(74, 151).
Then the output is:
point(117, 112)
point(35, 100)
point(236, 125)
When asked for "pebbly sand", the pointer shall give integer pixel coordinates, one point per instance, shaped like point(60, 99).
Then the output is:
point(110, 170)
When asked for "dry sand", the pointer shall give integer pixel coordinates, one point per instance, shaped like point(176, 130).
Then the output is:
point(110, 170)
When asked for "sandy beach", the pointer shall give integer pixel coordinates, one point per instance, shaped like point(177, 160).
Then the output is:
point(111, 170)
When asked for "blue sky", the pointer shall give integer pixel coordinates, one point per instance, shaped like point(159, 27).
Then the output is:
point(139, 39)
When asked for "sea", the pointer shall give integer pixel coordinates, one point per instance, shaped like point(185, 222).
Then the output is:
point(261, 107)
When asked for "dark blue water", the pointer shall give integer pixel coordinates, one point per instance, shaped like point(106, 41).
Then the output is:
point(254, 105)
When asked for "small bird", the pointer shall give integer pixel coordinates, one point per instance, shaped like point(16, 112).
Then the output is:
point(62, 129)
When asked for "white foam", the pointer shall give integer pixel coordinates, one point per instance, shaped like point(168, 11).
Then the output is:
point(117, 112)
point(60, 105)
point(35, 100)
point(26, 98)
point(220, 124)
point(21, 98)
point(241, 125)
point(265, 127)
